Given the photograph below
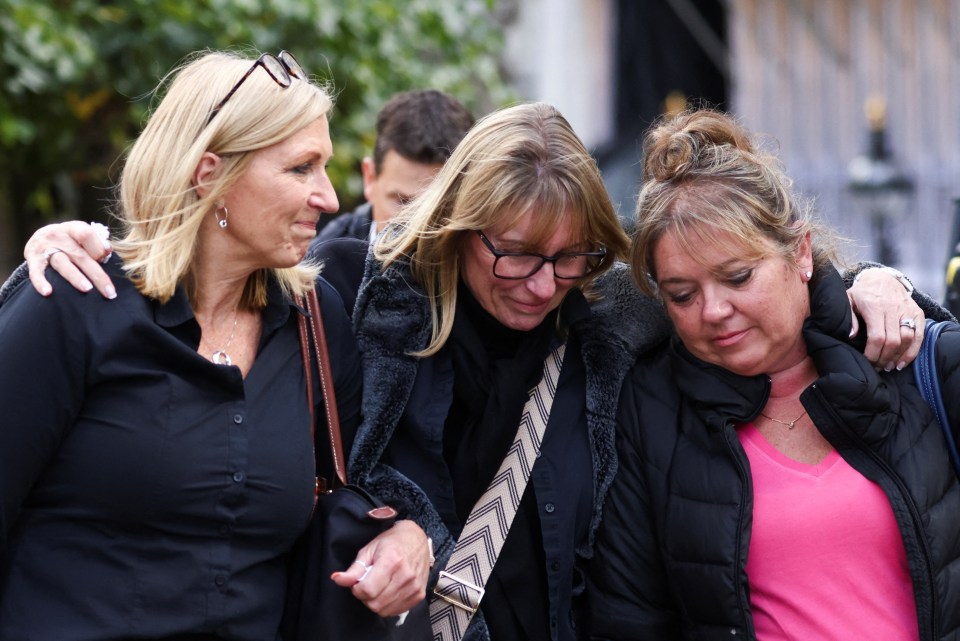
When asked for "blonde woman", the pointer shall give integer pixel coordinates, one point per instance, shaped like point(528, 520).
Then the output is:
point(156, 460)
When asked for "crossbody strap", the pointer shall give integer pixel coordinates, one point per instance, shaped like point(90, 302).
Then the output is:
point(460, 587)
point(928, 380)
point(314, 327)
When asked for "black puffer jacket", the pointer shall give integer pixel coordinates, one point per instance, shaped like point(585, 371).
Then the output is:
point(671, 554)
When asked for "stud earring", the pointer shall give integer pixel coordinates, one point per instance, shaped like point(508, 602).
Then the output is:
point(221, 221)
point(809, 275)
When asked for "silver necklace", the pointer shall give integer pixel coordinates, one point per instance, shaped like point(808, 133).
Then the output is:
point(220, 356)
point(790, 424)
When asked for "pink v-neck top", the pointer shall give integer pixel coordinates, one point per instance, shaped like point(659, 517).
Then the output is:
point(826, 559)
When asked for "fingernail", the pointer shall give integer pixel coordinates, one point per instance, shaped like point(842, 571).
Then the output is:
point(901, 365)
point(888, 367)
point(46, 290)
point(852, 333)
point(111, 292)
point(335, 575)
point(86, 286)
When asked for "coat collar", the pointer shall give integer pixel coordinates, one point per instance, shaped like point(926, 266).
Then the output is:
point(868, 401)
point(392, 318)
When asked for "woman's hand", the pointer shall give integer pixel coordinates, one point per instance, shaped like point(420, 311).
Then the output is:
point(390, 573)
point(73, 249)
point(885, 305)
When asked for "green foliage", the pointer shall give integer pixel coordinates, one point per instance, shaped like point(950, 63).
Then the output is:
point(76, 78)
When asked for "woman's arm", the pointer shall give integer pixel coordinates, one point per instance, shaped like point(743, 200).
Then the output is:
point(877, 296)
point(75, 250)
point(42, 382)
point(883, 301)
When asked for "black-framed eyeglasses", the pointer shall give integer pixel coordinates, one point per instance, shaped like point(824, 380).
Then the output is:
point(283, 68)
point(520, 265)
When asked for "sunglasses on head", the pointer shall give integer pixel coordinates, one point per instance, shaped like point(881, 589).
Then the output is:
point(283, 68)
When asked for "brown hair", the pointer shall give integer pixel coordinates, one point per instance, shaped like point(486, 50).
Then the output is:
point(423, 126)
point(705, 176)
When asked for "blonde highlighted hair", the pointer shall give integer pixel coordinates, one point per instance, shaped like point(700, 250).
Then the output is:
point(705, 177)
point(521, 160)
point(159, 208)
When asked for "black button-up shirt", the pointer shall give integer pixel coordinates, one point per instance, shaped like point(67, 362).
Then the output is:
point(144, 491)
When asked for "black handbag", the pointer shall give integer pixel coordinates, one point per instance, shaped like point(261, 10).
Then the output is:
point(345, 518)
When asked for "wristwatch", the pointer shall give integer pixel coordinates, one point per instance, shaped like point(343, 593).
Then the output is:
point(896, 273)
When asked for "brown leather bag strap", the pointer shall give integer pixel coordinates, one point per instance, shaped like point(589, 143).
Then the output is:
point(326, 381)
point(305, 355)
point(308, 372)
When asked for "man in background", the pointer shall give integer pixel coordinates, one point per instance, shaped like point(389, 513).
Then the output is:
point(416, 133)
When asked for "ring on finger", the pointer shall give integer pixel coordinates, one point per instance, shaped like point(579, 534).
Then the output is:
point(366, 569)
point(909, 323)
point(47, 253)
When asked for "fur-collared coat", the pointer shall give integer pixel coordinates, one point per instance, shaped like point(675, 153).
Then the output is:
point(392, 319)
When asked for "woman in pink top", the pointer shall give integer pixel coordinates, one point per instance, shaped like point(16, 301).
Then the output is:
point(773, 485)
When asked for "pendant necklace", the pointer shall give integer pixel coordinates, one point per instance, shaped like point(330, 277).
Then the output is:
point(790, 424)
point(220, 356)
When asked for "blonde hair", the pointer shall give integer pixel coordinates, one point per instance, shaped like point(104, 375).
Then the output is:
point(514, 161)
point(159, 208)
point(704, 177)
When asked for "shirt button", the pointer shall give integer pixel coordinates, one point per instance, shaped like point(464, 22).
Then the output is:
point(220, 581)
point(555, 566)
point(238, 477)
point(238, 418)
point(549, 507)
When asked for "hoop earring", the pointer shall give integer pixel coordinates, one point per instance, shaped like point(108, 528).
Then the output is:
point(221, 221)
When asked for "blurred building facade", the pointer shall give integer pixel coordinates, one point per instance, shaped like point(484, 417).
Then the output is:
point(798, 71)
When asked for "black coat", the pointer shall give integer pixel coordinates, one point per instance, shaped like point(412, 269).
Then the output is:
point(354, 224)
point(398, 453)
point(342, 260)
point(671, 554)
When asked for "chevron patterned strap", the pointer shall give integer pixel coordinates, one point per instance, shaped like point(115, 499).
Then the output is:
point(459, 589)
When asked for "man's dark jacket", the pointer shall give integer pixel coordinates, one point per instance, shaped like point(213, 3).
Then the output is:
point(355, 224)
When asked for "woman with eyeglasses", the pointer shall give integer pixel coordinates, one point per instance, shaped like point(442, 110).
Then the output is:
point(511, 253)
point(508, 258)
point(156, 458)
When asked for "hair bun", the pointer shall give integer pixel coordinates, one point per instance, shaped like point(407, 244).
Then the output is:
point(690, 141)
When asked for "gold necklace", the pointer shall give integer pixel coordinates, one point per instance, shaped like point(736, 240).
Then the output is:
point(790, 424)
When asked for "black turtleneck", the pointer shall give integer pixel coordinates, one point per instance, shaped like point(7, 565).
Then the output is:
point(494, 369)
